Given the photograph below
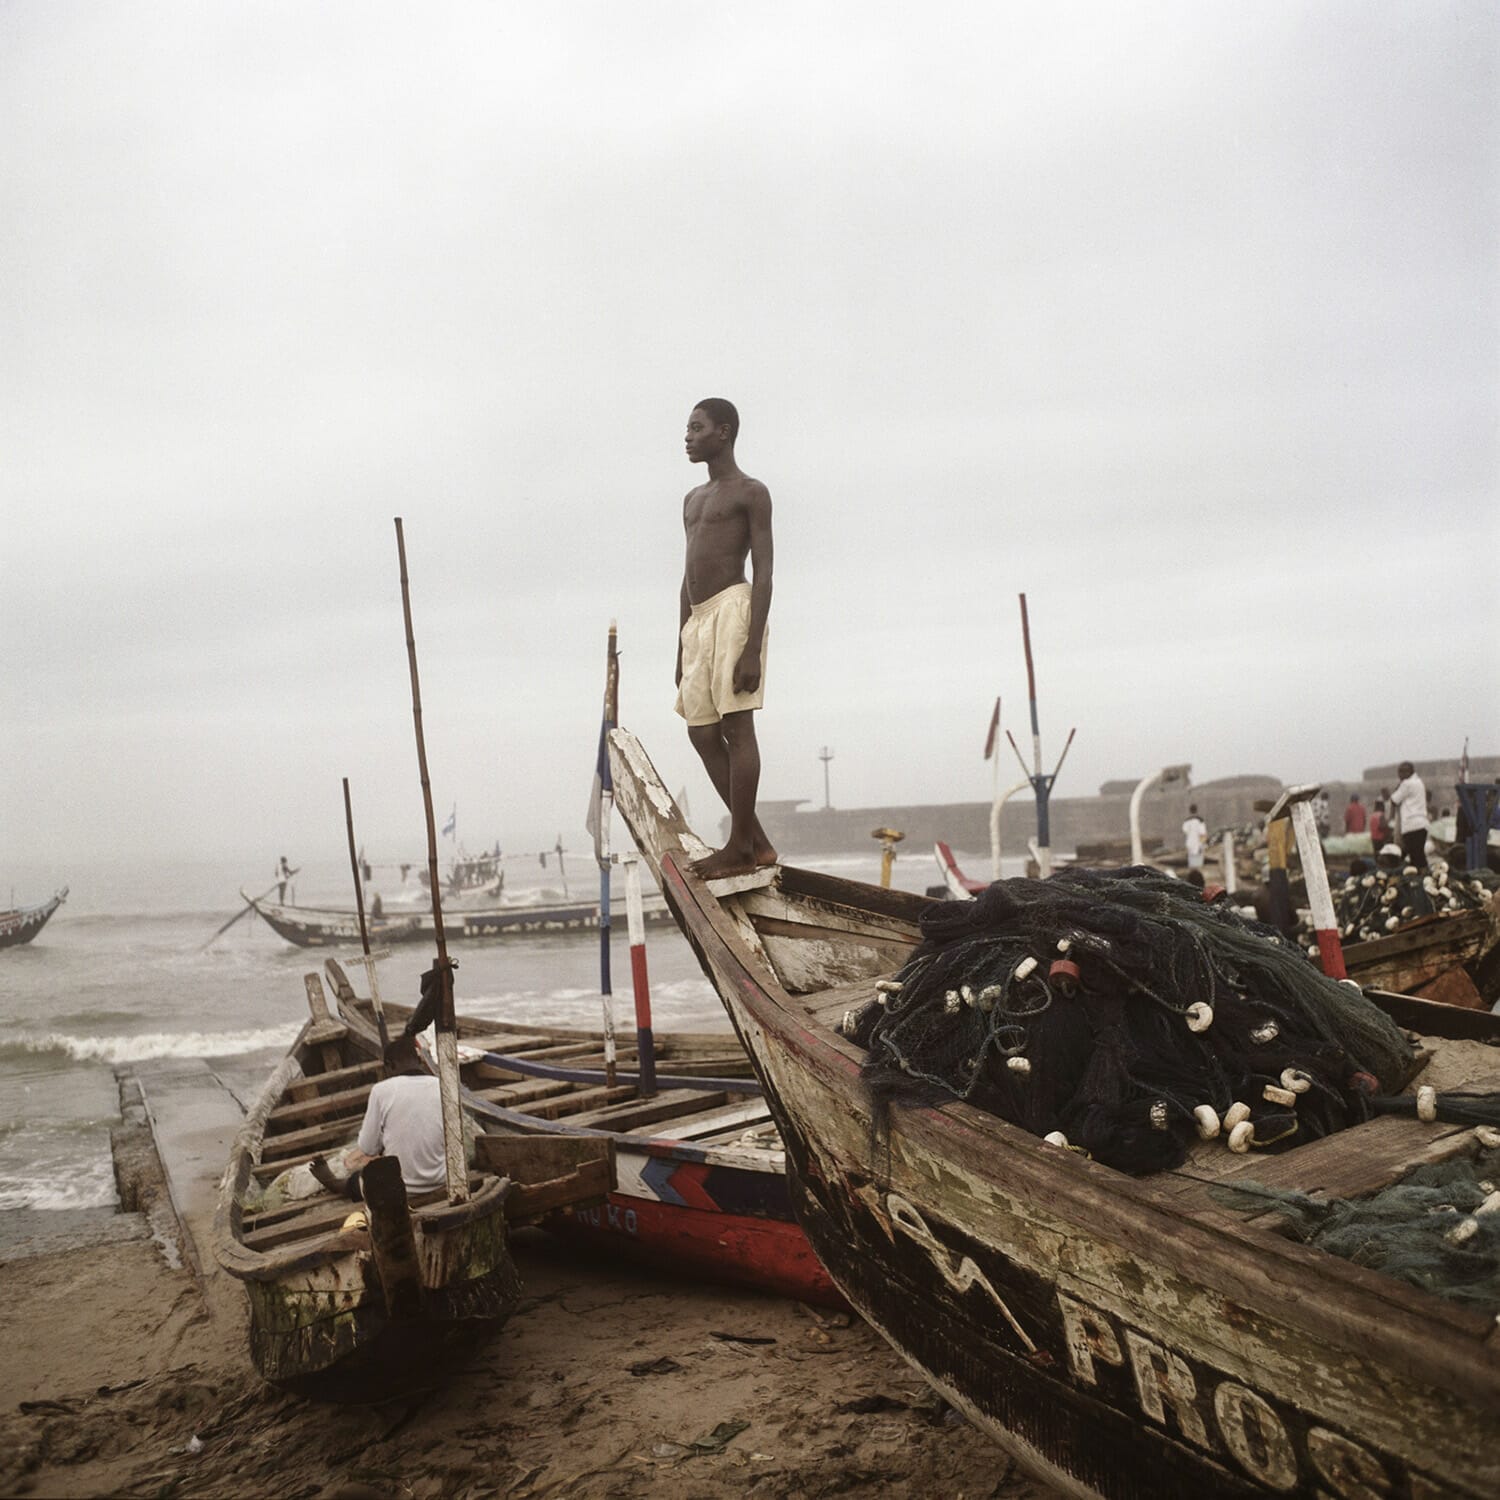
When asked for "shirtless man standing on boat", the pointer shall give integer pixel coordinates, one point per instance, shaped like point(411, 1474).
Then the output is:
point(722, 641)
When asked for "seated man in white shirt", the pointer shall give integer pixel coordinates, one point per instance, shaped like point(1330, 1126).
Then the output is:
point(404, 1119)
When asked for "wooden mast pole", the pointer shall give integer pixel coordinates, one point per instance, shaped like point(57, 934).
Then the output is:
point(606, 807)
point(445, 1029)
point(1041, 783)
point(364, 933)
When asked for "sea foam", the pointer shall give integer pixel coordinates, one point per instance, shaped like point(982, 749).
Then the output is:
point(138, 1048)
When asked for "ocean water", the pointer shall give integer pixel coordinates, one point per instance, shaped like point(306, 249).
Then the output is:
point(125, 972)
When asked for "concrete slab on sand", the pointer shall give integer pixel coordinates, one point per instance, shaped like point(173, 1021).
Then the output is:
point(194, 1119)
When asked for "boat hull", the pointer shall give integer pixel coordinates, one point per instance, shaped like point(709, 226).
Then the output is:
point(309, 927)
point(325, 1333)
point(17, 927)
point(1122, 1337)
point(1050, 1317)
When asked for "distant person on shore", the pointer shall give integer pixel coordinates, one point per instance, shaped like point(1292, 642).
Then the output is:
point(1194, 836)
point(1380, 830)
point(1321, 808)
point(404, 1119)
point(1354, 815)
point(284, 873)
point(1409, 802)
point(722, 638)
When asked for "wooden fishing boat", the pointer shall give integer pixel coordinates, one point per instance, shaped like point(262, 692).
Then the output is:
point(1120, 1336)
point(337, 927)
point(357, 1304)
point(701, 1186)
point(22, 923)
point(1428, 956)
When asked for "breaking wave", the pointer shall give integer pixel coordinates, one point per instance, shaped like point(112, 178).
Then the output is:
point(138, 1048)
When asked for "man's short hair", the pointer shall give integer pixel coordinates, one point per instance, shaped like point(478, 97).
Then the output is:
point(721, 413)
point(401, 1055)
point(1406, 769)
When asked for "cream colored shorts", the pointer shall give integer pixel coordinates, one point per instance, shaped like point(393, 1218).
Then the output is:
point(712, 640)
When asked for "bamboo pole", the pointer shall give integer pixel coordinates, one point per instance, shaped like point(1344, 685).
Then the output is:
point(445, 1030)
point(364, 934)
point(606, 808)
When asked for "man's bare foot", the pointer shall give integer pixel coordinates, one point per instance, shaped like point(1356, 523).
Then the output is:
point(765, 856)
point(723, 863)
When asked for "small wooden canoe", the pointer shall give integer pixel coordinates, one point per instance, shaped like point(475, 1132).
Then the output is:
point(23, 923)
point(1120, 1336)
point(701, 1186)
point(343, 1305)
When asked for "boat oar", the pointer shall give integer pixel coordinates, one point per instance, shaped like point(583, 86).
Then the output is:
point(249, 906)
point(445, 1030)
point(364, 934)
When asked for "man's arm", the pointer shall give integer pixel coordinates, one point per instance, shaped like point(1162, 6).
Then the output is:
point(371, 1130)
point(685, 608)
point(758, 513)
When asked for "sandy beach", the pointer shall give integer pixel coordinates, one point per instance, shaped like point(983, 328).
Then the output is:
point(127, 1373)
point(127, 1377)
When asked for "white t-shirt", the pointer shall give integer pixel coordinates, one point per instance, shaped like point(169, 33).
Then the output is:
point(1409, 801)
point(404, 1118)
point(1194, 831)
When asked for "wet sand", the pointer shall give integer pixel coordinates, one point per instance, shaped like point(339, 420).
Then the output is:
point(125, 1376)
point(126, 1371)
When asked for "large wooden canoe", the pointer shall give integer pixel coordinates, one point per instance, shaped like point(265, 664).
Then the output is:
point(1120, 1336)
point(342, 1310)
point(701, 1185)
point(23, 923)
point(338, 927)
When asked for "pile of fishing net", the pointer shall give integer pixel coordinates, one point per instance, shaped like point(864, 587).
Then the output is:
point(1124, 1015)
point(1438, 1228)
point(1377, 902)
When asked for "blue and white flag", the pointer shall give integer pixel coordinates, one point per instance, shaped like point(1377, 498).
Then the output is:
point(452, 822)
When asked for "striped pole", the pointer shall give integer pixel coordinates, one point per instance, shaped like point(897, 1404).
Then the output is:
point(606, 807)
point(1319, 897)
point(644, 1042)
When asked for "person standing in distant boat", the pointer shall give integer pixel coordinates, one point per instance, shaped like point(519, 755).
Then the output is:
point(721, 644)
point(1409, 802)
point(1194, 836)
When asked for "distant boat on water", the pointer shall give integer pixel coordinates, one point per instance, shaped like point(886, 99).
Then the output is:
point(23, 923)
point(338, 927)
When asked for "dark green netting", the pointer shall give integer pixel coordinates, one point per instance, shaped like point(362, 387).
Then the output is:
point(1110, 1006)
point(1438, 1228)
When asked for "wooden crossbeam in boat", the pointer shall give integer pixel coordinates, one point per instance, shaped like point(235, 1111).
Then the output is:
point(325, 1218)
point(664, 1106)
point(1347, 1164)
point(278, 1147)
point(733, 885)
point(722, 1119)
point(568, 1105)
point(348, 1103)
point(520, 1094)
point(321, 1084)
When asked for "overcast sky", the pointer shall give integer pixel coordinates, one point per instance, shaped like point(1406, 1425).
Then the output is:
point(1181, 318)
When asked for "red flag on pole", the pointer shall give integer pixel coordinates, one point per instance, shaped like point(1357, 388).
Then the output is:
point(989, 739)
